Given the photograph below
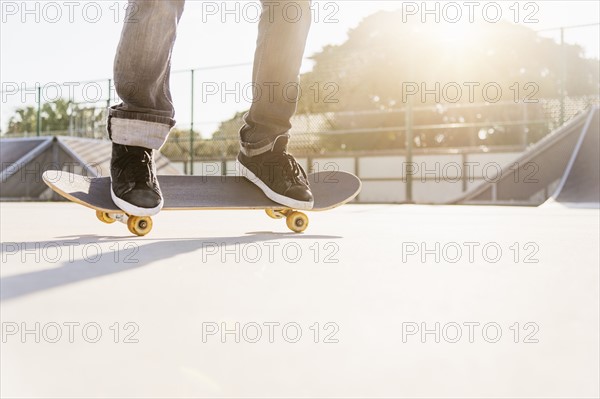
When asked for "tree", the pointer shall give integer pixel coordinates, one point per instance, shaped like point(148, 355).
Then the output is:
point(382, 55)
point(383, 59)
point(230, 128)
point(177, 147)
point(57, 116)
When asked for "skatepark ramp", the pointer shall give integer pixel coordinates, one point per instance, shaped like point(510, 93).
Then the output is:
point(580, 184)
point(19, 159)
point(534, 176)
point(24, 160)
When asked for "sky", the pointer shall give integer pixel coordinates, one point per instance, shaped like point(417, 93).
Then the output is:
point(49, 42)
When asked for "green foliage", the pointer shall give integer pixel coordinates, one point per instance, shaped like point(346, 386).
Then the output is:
point(177, 147)
point(230, 128)
point(382, 55)
point(56, 116)
point(372, 70)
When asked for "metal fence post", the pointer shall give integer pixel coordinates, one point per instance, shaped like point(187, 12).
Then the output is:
point(563, 75)
point(525, 130)
point(192, 130)
point(109, 86)
point(38, 124)
point(408, 123)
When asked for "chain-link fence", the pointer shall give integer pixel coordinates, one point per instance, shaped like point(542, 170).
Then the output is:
point(400, 127)
point(373, 131)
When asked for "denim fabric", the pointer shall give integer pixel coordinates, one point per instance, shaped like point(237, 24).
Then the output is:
point(143, 63)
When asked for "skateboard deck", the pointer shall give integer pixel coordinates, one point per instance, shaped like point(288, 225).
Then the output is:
point(330, 190)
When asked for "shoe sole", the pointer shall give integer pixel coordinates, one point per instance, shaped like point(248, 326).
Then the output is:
point(131, 209)
point(272, 195)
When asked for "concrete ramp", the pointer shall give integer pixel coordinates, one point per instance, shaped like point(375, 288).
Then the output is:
point(532, 178)
point(12, 150)
point(20, 176)
point(580, 184)
point(24, 160)
point(95, 155)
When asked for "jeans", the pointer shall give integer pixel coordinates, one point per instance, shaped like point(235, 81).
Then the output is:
point(143, 63)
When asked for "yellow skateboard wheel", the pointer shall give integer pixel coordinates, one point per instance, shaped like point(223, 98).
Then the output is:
point(139, 225)
point(297, 221)
point(104, 217)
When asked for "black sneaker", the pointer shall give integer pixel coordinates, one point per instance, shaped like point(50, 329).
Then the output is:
point(134, 186)
point(278, 175)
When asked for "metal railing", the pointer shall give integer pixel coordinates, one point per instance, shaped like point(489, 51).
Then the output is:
point(404, 130)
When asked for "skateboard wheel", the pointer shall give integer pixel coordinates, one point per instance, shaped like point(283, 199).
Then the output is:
point(104, 217)
point(139, 225)
point(275, 213)
point(297, 221)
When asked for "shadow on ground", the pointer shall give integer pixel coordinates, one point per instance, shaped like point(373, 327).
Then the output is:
point(124, 254)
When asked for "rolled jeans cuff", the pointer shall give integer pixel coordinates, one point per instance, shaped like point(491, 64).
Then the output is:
point(260, 147)
point(138, 129)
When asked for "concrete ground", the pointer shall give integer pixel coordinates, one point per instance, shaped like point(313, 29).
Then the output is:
point(228, 304)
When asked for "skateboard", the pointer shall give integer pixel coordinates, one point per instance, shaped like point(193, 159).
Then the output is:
point(330, 190)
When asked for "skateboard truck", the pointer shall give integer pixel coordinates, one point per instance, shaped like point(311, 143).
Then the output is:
point(138, 225)
point(296, 221)
point(142, 225)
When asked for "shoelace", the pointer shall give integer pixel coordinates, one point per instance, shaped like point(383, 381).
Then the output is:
point(293, 170)
point(136, 170)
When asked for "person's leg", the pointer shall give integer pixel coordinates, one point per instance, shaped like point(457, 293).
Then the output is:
point(142, 121)
point(141, 74)
point(282, 33)
point(263, 158)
